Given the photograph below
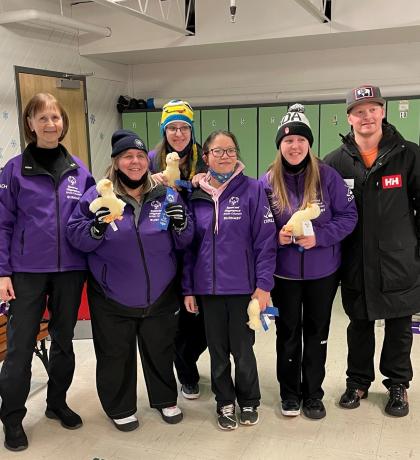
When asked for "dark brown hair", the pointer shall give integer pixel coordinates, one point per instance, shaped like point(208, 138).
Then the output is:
point(37, 103)
point(220, 132)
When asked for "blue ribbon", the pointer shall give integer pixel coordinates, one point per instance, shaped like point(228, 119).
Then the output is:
point(264, 316)
point(184, 184)
point(171, 197)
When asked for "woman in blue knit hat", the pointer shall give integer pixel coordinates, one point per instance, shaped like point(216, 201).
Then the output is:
point(177, 130)
point(132, 287)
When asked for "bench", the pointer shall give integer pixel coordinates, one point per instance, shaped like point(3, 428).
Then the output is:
point(40, 347)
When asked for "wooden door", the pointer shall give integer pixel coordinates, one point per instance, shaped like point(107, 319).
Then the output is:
point(73, 101)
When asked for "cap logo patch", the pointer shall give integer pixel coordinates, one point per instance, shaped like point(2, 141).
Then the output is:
point(139, 144)
point(361, 93)
point(286, 130)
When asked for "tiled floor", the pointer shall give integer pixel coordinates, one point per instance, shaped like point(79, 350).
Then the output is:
point(362, 434)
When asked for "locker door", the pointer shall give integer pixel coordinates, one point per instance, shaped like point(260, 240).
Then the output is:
point(312, 114)
point(333, 121)
point(243, 123)
point(405, 116)
point(136, 121)
point(153, 129)
point(197, 125)
point(213, 119)
point(268, 122)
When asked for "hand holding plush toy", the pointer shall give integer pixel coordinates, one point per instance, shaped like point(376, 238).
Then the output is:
point(171, 173)
point(107, 199)
point(295, 223)
point(254, 312)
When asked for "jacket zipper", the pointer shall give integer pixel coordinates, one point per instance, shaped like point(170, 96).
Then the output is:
point(143, 259)
point(214, 251)
point(302, 264)
point(248, 268)
point(57, 207)
point(22, 242)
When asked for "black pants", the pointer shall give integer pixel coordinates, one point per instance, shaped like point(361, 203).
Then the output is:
point(116, 334)
point(395, 363)
point(304, 316)
point(225, 319)
point(32, 289)
point(190, 342)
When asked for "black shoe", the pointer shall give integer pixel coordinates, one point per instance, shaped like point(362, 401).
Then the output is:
point(290, 408)
point(67, 417)
point(314, 409)
point(190, 391)
point(15, 438)
point(397, 405)
point(172, 414)
point(248, 416)
point(226, 418)
point(350, 399)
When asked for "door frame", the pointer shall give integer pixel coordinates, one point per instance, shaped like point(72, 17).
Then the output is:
point(50, 73)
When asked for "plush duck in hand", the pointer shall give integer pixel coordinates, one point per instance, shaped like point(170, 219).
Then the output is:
point(295, 223)
point(107, 199)
point(171, 172)
point(254, 311)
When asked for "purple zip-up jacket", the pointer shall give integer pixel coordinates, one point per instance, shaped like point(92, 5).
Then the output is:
point(242, 255)
point(136, 263)
point(337, 220)
point(34, 214)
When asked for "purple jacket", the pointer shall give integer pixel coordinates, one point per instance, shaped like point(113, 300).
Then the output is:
point(134, 264)
point(338, 219)
point(34, 214)
point(241, 256)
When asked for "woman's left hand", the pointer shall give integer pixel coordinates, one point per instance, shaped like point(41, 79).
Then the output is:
point(263, 298)
point(195, 181)
point(307, 242)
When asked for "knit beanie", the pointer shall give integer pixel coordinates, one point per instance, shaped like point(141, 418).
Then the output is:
point(123, 139)
point(176, 110)
point(294, 122)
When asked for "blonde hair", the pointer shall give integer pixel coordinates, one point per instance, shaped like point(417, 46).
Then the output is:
point(119, 189)
point(39, 102)
point(312, 187)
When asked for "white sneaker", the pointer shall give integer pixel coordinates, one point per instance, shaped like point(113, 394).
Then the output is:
point(171, 414)
point(126, 424)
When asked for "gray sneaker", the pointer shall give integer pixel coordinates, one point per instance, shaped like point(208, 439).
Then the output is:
point(227, 418)
point(248, 416)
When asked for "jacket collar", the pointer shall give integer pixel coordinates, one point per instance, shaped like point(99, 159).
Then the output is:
point(30, 167)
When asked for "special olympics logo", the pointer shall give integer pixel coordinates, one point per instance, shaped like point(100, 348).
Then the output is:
point(155, 204)
point(139, 144)
point(72, 180)
point(233, 200)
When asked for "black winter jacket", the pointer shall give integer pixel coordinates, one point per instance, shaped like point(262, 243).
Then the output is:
point(380, 276)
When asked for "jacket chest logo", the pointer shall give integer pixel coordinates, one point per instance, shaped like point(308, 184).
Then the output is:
point(155, 210)
point(394, 181)
point(233, 210)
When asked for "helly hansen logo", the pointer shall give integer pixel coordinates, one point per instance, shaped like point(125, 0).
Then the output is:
point(394, 181)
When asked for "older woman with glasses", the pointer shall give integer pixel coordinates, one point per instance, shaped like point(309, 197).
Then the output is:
point(177, 129)
point(231, 260)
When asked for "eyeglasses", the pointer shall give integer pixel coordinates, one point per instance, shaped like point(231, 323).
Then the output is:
point(218, 152)
point(182, 129)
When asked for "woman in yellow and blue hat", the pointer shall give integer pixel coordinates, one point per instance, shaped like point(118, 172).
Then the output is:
point(177, 130)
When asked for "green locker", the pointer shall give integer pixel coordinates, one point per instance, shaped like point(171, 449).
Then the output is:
point(243, 123)
point(268, 122)
point(153, 129)
point(213, 119)
point(312, 114)
point(136, 121)
point(405, 116)
point(197, 126)
point(333, 122)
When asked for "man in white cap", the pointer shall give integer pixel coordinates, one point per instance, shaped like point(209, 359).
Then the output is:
point(381, 264)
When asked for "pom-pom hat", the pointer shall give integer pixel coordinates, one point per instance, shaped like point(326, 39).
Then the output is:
point(294, 122)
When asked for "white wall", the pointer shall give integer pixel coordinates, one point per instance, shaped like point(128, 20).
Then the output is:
point(57, 51)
